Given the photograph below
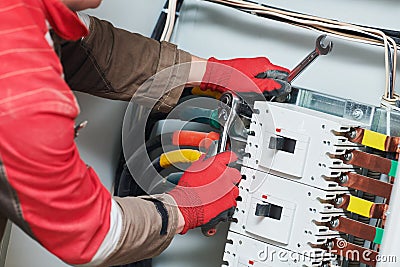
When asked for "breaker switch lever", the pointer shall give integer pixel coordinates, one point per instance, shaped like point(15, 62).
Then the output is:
point(282, 143)
point(269, 210)
point(276, 143)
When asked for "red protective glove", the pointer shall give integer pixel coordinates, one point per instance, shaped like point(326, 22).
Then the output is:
point(207, 188)
point(239, 75)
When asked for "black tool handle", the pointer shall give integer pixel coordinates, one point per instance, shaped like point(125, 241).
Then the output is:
point(210, 228)
point(262, 75)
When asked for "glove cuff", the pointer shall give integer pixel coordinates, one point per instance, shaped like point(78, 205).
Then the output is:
point(190, 206)
point(189, 214)
point(215, 75)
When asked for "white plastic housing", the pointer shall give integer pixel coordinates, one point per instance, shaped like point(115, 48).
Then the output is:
point(318, 136)
point(287, 191)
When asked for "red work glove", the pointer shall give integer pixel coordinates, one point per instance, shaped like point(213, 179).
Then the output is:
point(207, 188)
point(239, 75)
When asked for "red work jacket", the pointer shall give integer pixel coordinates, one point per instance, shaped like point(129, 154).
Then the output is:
point(45, 188)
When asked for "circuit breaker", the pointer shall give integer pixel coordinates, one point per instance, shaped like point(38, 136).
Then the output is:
point(293, 191)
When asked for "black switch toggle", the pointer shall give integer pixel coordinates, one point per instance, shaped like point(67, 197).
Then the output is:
point(269, 210)
point(276, 143)
point(282, 143)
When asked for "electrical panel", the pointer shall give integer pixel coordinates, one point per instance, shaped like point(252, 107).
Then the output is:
point(292, 191)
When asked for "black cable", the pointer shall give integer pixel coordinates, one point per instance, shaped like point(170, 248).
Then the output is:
point(156, 142)
point(126, 185)
point(160, 25)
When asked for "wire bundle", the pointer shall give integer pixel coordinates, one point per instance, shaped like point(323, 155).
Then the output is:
point(170, 21)
point(335, 28)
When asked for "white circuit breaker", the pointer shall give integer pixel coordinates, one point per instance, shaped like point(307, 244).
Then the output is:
point(288, 188)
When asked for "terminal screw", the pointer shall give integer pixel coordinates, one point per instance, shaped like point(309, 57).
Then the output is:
point(329, 245)
point(348, 156)
point(352, 134)
point(334, 223)
point(343, 179)
point(339, 201)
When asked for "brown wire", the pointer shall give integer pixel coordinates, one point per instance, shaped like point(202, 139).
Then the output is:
point(355, 228)
point(378, 211)
point(367, 185)
point(393, 144)
point(353, 252)
point(369, 161)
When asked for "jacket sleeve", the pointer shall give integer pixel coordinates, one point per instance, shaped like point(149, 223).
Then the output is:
point(115, 64)
point(148, 227)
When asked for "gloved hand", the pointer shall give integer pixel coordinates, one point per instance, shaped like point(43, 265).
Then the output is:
point(207, 188)
point(239, 75)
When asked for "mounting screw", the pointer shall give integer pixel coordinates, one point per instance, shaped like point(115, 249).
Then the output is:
point(357, 114)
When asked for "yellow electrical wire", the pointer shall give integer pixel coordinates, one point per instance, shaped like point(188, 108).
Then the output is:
point(211, 93)
point(360, 206)
point(374, 140)
point(179, 156)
